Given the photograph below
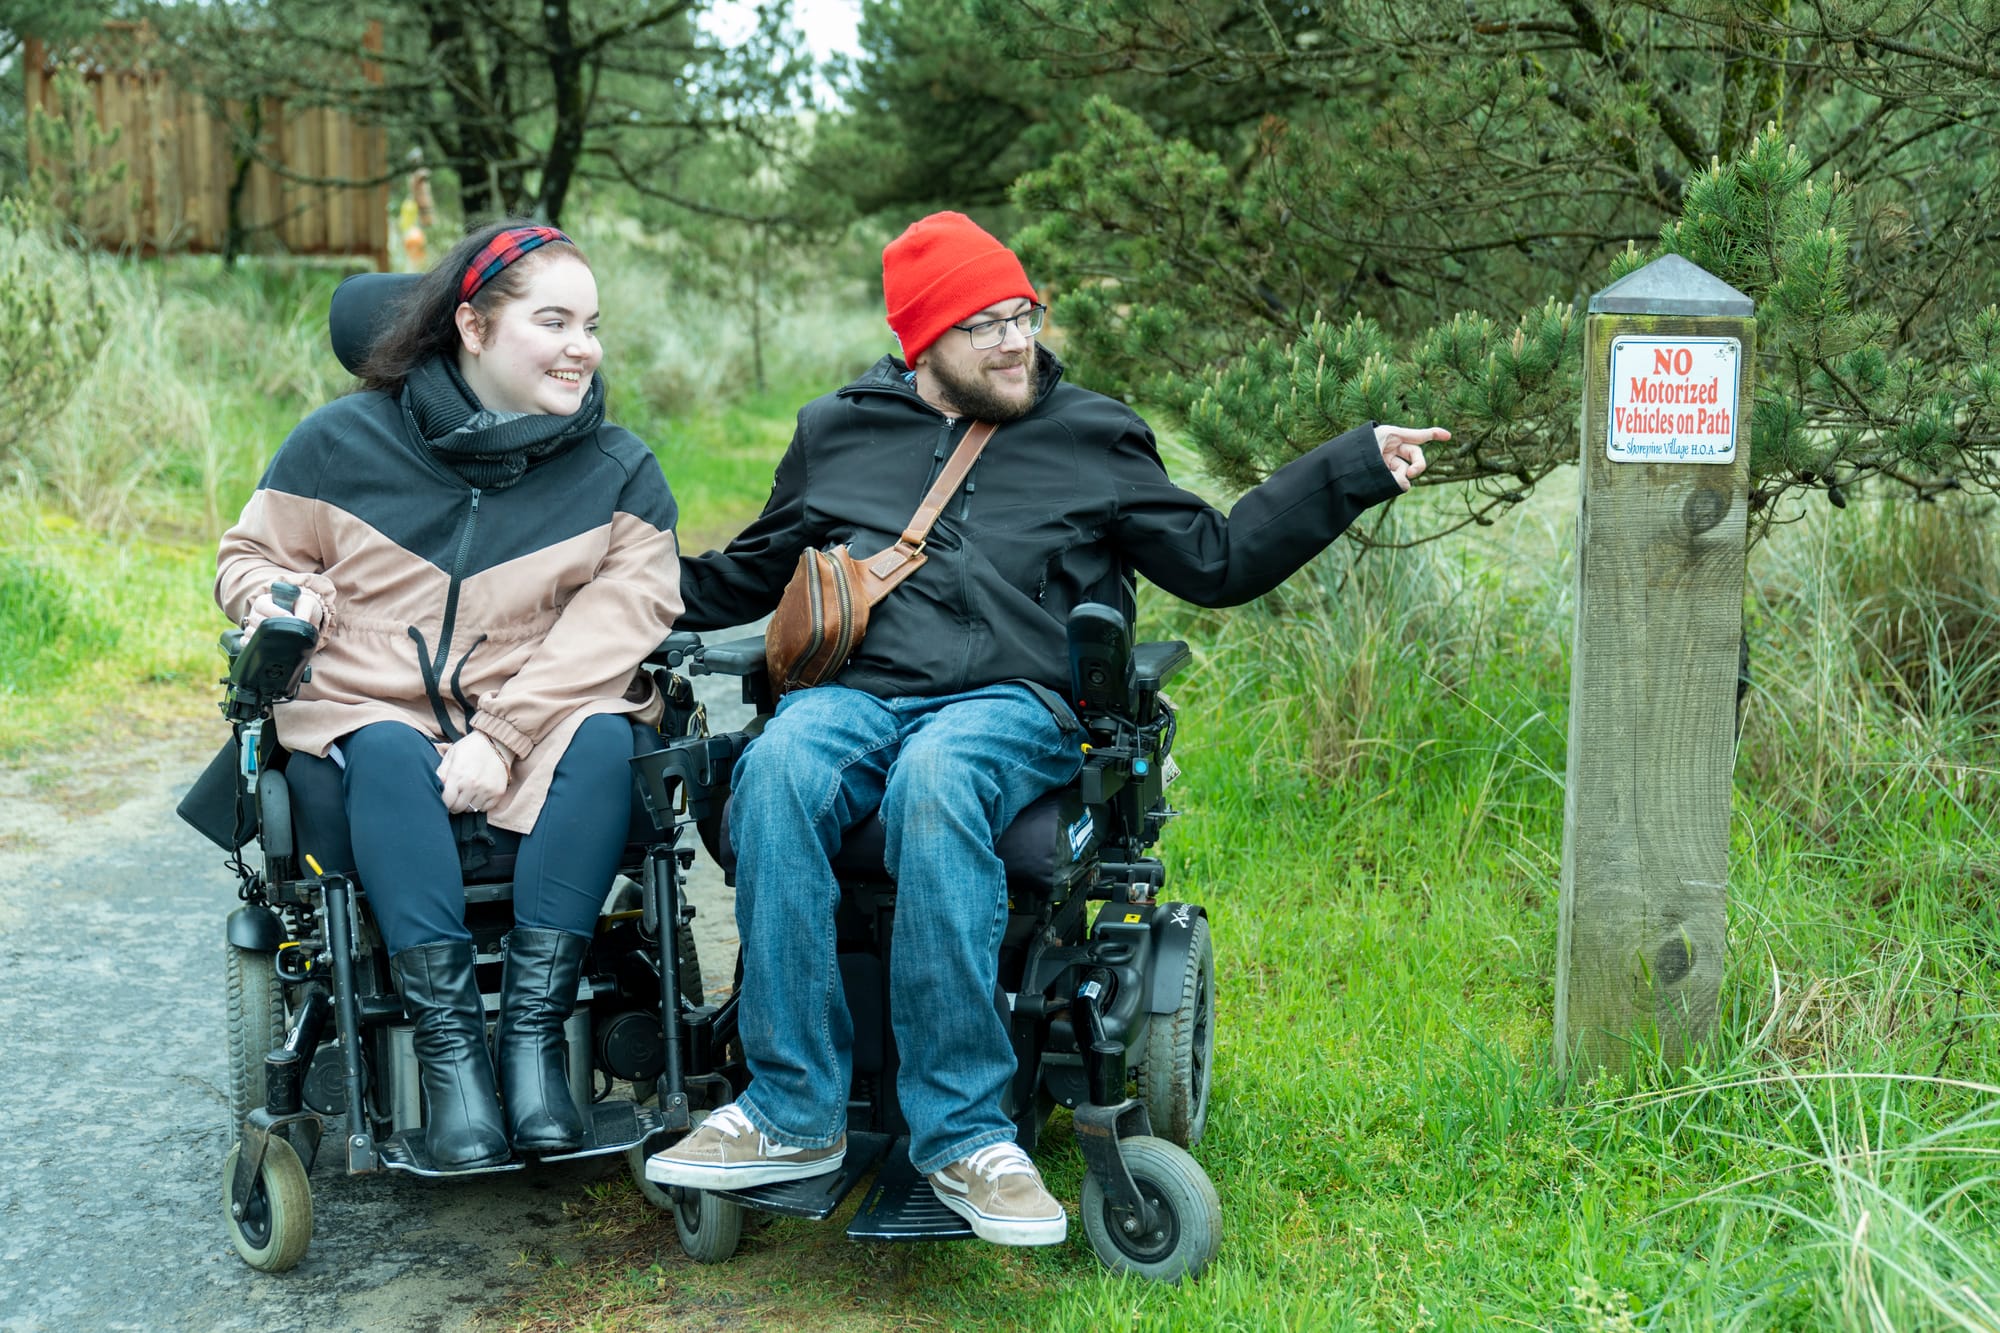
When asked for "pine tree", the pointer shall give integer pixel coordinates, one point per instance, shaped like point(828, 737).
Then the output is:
point(1394, 210)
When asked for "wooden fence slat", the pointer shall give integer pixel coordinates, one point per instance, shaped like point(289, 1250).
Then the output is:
point(178, 153)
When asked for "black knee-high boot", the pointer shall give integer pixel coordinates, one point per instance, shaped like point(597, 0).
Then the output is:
point(461, 1113)
point(537, 993)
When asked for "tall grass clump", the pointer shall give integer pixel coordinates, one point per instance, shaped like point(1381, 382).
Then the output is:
point(52, 324)
point(684, 350)
point(204, 373)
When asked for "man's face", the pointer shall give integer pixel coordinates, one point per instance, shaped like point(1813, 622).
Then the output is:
point(994, 384)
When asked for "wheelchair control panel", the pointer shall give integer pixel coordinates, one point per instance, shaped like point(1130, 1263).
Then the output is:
point(267, 666)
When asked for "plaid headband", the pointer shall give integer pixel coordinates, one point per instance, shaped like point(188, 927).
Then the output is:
point(501, 251)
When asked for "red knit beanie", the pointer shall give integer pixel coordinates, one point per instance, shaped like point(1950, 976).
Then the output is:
point(942, 269)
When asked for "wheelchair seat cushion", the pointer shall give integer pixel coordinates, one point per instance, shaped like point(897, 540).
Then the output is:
point(1038, 849)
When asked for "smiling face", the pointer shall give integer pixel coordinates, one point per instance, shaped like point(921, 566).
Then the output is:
point(537, 352)
point(996, 384)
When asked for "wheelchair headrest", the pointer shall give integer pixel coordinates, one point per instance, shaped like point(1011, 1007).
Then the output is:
point(363, 306)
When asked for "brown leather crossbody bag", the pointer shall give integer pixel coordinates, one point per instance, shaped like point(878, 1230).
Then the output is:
point(824, 612)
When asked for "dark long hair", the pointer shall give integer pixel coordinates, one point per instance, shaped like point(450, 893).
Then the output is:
point(424, 325)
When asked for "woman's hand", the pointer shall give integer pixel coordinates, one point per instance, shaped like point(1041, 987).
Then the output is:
point(1402, 449)
point(309, 609)
point(474, 774)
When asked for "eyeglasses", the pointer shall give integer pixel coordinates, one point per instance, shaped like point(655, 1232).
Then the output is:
point(992, 332)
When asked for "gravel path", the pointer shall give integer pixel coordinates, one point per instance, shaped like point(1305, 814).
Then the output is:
point(112, 1105)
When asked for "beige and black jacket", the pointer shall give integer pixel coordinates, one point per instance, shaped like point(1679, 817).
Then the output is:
point(517, 612)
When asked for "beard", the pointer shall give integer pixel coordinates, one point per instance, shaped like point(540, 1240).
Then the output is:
point(974, 396)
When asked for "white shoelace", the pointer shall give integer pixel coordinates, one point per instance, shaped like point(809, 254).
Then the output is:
point(731, 1121)
point(728, 1120)
point(1000, 1159)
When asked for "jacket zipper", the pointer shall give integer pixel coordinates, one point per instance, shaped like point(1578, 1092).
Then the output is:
point(939, 453)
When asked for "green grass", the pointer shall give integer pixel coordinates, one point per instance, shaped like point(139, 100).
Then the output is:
point(719, 462)
point(99, 634)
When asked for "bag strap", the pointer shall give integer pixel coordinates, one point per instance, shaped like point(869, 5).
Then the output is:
point(947, 484)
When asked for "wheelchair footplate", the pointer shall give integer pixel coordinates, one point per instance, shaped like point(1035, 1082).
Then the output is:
point(816, 1197)
point(406, 1151)
point(899, 1206)
point(903, 1206)
point(613, 1126)
point(609, 1127)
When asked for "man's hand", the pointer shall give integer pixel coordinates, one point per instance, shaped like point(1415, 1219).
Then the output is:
point(474, 774)
point(310, 609)
point(1403, 452)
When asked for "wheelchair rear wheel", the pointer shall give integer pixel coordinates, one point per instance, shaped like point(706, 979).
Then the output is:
point(276, 1222)
point(1180, 1049)
point(256, 1007)
point(1187, 1224)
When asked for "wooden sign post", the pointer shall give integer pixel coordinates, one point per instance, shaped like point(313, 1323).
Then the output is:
point(1668, 356)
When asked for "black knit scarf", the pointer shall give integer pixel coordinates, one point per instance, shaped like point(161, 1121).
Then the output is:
point(490, 450)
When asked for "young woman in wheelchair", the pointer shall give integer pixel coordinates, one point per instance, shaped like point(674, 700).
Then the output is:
point(488, 561)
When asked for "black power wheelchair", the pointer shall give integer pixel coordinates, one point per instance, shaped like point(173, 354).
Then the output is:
point(316, 1033)
point(1110, 1010)
point(1112, 1017)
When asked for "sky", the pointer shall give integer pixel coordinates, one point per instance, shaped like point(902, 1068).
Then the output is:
point(828, 25)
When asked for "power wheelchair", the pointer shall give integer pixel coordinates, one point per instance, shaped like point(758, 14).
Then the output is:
point(316, 1032)
point(1107, 988)
point(1111, 1014)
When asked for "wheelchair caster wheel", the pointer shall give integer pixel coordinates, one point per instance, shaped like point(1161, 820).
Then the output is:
point(709, 1227)
point(1187, 1227)
point(272, 1227)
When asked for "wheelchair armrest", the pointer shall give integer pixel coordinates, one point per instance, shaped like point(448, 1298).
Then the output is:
point(687, 778)
point(684, 650)
point(675, 649)
point(1154, 664)
point(738, 657)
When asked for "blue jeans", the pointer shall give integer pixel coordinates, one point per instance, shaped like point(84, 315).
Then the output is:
point(949, 774)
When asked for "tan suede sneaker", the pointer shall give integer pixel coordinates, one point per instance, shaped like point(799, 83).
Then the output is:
point(727, 1152)
point(1000, 1193)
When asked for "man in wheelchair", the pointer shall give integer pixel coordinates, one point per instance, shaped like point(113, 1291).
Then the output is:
point(956, 711)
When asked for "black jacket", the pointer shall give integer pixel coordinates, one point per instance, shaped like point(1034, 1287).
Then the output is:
point(1057, 505)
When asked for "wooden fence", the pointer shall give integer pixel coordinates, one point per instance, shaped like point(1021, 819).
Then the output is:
point(181, 160)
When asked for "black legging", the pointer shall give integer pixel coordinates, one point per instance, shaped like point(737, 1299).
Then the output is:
point(407, 858)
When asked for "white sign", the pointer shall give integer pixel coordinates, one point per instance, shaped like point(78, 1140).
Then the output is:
point(1673, 400)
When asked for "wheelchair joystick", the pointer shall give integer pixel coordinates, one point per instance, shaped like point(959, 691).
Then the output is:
point(1100, 659)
